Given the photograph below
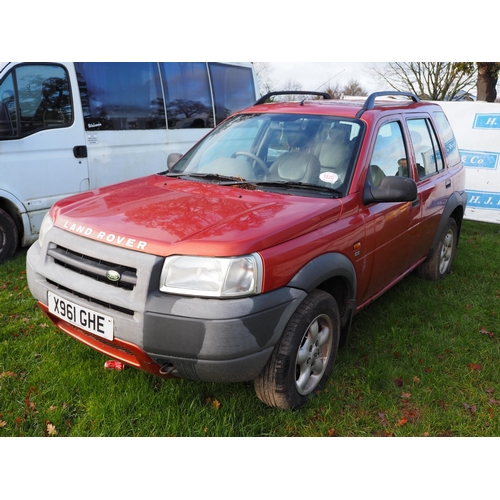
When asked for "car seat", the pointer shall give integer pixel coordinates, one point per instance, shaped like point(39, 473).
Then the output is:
point(297, 167)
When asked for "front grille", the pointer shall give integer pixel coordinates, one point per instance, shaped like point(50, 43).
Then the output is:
point(94, 268)
point(92, 299)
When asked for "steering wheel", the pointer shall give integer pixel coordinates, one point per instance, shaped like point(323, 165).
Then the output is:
point(258, 160)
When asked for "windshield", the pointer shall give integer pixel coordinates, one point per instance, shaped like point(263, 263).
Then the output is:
point(277, 150)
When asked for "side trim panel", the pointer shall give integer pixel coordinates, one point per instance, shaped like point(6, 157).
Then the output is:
point(455, 200)
point(322, 268)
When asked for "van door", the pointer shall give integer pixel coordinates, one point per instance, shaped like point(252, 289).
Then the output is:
point(43, 156)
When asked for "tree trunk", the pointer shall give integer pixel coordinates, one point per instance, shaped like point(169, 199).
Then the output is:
point(487, 77)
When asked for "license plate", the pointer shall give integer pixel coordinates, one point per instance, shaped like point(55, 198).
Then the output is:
point(86, 319)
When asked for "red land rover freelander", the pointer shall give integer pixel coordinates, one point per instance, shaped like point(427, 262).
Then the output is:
point(248, 257)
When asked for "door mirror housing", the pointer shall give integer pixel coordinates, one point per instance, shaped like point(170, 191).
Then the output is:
point(391, 189)
point(172, 159)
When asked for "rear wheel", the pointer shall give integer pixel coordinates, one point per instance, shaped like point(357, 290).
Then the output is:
point(439, 264)
point(8, 236)
point(305, 355)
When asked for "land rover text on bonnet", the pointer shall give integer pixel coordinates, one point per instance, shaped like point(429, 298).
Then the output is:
point(248, 257)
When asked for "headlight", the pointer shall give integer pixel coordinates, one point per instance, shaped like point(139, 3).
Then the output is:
point(46, 225)
point(212, 276)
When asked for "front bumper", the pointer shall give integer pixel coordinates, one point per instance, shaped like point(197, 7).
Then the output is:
point(201, 339)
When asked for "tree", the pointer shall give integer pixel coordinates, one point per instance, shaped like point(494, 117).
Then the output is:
point(336, 91)
point(263, 71)
point(437, 81)
point(487, 78)
point(290, 85)
point(352, 88)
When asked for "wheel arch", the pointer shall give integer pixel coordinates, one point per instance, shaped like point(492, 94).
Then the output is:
point(11, 208)
point(333, 273)
point(454, 208)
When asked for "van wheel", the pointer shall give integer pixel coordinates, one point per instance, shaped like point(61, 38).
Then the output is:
point(439, 264)
point(8, 236)
point(304, 357)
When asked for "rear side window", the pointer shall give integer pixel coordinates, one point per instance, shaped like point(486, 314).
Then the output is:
point(150, 95)
point(187, 95)
point(37, 97)
point(233, 88)
point(121, 95)
point(193, 90)
point(425, 146)
point(448, 138)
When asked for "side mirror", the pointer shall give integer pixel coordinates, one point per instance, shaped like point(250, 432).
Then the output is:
point(6, 128)
point(391, 189)
point(172, 159)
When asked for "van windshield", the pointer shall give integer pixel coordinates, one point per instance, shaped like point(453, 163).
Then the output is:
point(277, 148)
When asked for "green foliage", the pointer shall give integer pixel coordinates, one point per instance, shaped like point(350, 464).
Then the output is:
point(423, 360)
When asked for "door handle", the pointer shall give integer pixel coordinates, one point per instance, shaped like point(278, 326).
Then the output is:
point(80, 151)
point(447, 183)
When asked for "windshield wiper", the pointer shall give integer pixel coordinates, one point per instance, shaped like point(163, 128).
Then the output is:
point(298, 185)
point(226, 180)
point(209, 176)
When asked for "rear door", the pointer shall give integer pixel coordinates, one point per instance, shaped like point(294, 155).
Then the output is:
point(433, 178)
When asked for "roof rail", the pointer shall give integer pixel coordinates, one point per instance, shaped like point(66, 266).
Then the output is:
point(264, 98)
point(370, 101)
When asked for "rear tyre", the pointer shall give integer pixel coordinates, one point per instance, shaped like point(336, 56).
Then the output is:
point(439, 264)
point(305, 355)
point(8, 236)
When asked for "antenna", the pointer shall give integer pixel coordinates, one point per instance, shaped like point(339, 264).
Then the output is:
point(323, 84)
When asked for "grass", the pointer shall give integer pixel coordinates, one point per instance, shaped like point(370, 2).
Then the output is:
point(423, 360)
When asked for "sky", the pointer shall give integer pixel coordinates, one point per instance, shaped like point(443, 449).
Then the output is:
point(314, 75)
point(307, 37)
point(260, 31)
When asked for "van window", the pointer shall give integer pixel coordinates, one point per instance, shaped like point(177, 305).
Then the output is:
point(38, 97)
point(233, 88)
point(121, 95)
point(187, 94)
point(8, 97)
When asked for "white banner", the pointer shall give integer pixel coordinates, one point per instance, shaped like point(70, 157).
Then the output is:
point(477, 130)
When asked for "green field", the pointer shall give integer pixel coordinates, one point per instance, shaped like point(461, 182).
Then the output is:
point(423, 360)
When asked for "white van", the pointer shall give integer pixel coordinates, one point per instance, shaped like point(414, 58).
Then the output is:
point(69, 127)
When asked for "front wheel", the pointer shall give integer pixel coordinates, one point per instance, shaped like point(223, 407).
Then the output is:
point(439, 264)
point(305, 355)
point(8, 236)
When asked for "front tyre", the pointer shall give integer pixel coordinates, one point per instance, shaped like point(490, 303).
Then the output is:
point(439, 264)
point(305, 355)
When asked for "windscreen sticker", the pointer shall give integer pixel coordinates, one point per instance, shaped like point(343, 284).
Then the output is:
point(330, 177)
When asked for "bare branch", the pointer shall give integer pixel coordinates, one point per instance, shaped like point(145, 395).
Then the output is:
point(428, 80)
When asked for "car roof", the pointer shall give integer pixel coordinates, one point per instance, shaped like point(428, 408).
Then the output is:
point(349, 108)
